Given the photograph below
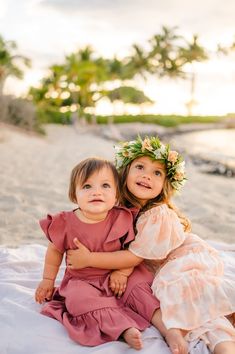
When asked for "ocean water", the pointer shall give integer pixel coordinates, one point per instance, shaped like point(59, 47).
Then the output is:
point(216, 142)
point(210, 145)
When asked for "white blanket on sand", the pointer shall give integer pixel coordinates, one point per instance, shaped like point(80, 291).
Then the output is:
point(24, 330)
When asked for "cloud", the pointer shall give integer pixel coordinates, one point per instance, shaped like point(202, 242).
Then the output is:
point(142, 19)
point(84, 5)
point(3, 8)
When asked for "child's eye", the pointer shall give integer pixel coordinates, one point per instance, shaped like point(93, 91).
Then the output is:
point(106, 185)
point(86, 186)
point(139, 167)
point(158, 173)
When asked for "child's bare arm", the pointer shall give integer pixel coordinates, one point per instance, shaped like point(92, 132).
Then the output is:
point(52, 263)
point(118, 280)
point(125, 271)
point(82, 258)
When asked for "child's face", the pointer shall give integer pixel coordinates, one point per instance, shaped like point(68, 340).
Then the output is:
point(145, 179)
point(98, 194)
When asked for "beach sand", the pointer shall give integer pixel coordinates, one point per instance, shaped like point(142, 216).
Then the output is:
point(35, 175)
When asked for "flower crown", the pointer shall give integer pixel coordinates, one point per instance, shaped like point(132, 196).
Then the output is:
point(126, 152)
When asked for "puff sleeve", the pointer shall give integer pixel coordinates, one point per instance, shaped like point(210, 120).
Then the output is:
point(122, 226)
point(159, 232)
point(54, 227)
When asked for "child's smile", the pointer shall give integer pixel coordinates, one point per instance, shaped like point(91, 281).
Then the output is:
point(144, 185)
point(145, 179)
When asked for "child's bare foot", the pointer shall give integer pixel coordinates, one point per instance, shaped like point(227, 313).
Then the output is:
point(176, 341)
point(133, 337)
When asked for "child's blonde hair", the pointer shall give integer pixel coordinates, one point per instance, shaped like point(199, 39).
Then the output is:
point(85, 169)
point(129, 200)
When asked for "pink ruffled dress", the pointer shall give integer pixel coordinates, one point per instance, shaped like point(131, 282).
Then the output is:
point(189, 282)
point(83, 302)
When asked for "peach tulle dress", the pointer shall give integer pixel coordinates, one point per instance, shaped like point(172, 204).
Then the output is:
point(194, 291)
point(83, 302)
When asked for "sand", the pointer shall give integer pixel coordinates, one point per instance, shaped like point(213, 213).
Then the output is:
point(35, 174)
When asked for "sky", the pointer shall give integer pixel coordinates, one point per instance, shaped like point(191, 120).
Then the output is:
point(47, 30)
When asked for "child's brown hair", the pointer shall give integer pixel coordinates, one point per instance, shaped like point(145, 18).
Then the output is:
point(82, 171)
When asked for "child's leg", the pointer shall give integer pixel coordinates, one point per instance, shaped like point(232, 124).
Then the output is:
point(133, 337)
point(142, 301)
point(227, 347)
point(174, 337)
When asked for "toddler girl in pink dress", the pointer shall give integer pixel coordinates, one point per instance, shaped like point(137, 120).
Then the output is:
point(84, 302)
point(194, 292)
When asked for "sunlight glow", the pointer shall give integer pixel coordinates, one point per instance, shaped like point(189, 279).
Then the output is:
point(57, 33)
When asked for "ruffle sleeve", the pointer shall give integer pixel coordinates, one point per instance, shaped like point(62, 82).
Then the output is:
point(159, 232)
point(122, 226)
point(54, 227)
point(134, 212)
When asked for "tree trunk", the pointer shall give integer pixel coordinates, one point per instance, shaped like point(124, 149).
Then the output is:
point(192, 102)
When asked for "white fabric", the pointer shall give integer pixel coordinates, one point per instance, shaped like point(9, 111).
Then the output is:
point(24, 330)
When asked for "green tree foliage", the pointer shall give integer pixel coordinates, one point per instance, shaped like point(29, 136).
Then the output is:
point(79, 83)
point(128, 94)
point(84, 78)
point(10, 62)
point(164, 53)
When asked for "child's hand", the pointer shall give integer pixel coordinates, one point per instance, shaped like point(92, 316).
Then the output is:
point(44, 290)
point(117, 282)
point(78, 259)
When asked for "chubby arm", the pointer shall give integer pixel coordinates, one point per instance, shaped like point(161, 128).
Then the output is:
point(52, 263)
point(82, 258)
point(125, 271)
point(118, 280)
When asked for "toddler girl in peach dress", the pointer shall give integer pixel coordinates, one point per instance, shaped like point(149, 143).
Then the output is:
point(194, 292)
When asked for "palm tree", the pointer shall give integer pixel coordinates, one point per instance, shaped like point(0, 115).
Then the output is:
point(9, 62)
point(84, 73)
point(189, 54)
point(137, 63)
point(75, 84)
point(163, 56)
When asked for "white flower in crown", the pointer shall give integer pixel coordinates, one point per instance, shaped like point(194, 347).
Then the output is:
point(176, 185)
point(119, 162)
point(117, 149)
point(159, 153)
point(182, 183)
point(180, 167)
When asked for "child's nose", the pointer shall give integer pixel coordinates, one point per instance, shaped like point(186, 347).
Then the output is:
point(146, 175)
point(97, 191)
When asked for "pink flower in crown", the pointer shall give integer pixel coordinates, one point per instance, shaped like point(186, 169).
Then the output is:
point(178, 176)
point(172, 156)
point(146, 145)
